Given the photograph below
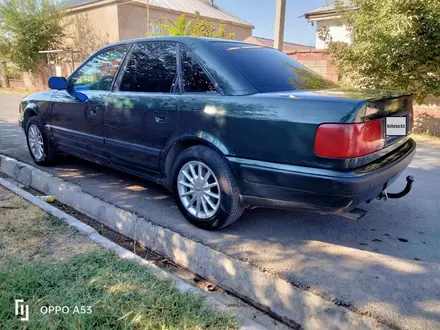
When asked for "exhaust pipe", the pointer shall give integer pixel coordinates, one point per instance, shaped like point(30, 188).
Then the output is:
point(354, 214)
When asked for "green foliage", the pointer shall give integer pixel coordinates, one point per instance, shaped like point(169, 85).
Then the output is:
point(194, 27)
point(13, 72)
point(81, 25)
point(178, 28)
point(395, 45)
point(27, 27)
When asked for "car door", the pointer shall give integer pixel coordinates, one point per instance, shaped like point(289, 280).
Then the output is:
point(142, 111)
point(77, 125)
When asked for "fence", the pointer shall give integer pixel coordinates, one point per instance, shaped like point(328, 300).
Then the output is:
point(317, 60)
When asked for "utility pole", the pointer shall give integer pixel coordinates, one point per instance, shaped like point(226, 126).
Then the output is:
point(148, 17)
point(279, 24)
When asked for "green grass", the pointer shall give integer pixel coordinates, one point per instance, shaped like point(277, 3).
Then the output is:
point(123, 295)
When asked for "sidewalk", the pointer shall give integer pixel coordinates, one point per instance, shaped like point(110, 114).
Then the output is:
point(46, 263)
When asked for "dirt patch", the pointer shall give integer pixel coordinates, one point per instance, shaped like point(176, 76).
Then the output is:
point(119, 239)
point(15, 91)
point(426, 138)
point(29, 233)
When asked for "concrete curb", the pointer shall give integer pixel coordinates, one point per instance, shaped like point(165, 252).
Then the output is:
point(244, 280)
point(92, 234)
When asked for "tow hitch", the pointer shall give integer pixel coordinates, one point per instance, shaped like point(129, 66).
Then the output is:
point(385, 195)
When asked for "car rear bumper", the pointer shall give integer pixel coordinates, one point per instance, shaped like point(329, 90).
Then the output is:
point(265, 184)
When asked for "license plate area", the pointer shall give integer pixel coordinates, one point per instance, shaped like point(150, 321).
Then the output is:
point(396, 126)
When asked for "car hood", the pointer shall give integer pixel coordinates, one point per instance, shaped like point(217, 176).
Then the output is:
point(40, 96)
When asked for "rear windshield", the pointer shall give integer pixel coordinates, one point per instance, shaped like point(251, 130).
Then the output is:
point(270, 70)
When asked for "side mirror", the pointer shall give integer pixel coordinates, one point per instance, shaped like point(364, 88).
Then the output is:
point(57, 83)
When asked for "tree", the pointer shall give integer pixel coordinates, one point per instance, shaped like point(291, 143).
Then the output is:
point(194, 27)
point(27, 27)
point(81, 25)
point(395, 45)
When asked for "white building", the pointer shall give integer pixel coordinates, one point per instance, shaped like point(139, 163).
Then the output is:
point(328, 16)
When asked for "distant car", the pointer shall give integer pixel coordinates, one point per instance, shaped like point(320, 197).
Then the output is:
point(225, 126)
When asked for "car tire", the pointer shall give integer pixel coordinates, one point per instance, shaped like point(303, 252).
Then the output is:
point(213, 177)
point(38, 142)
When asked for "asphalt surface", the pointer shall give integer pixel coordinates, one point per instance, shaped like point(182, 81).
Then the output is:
point(387, 265)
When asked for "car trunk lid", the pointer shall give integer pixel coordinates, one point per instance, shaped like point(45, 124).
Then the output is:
point(393, 111)
point(380, 124)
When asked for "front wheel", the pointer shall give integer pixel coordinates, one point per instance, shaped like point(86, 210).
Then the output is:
point(38, 142)
point(205, 189)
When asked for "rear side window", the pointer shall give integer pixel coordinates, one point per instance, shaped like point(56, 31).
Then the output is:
point(195, 79)
point(270, 70)
point(151, 69)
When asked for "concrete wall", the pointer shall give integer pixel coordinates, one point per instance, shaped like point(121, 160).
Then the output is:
point(133, 21)
point(37, 81)
point(337, 31)
point(16, 84)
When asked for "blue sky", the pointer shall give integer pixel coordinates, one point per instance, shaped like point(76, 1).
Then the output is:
point(261, 13)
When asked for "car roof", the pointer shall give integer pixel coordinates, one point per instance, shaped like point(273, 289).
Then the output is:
point(235, 84)
point(182, 39)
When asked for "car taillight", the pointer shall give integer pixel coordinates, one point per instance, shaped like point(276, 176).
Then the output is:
point(349, 140)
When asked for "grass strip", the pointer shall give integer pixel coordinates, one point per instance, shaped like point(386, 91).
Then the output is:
point(122, 295)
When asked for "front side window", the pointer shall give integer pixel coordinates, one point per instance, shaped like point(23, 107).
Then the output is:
point(195, 79)
point(152, 68)
point(99, 72)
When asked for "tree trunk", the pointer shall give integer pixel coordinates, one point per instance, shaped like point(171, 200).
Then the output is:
point(3, 77)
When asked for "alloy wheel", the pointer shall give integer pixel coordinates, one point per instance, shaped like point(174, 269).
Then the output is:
point(198, 189)
point(36, 143)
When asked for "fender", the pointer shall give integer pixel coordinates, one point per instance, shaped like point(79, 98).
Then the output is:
point(177, 143)
point(202, 136)
point(30, 110)
point(213, 141)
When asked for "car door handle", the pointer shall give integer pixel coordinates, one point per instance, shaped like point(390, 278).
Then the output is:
point(160, 117)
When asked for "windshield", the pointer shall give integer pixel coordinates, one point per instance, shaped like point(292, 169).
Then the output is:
point(270, 70)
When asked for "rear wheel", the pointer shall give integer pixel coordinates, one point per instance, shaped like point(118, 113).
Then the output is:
point(38, 142)
point(205, 189)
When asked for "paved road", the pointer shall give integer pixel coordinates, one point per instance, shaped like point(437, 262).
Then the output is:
point(387, 265)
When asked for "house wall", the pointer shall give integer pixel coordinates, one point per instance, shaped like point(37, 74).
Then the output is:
point(337, 31)
point(100, 24)
point(132, 20)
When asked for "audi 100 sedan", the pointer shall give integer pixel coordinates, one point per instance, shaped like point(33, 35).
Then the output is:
point(225, 126)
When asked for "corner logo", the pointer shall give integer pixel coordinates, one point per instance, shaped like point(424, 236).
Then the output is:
point(21, 310)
